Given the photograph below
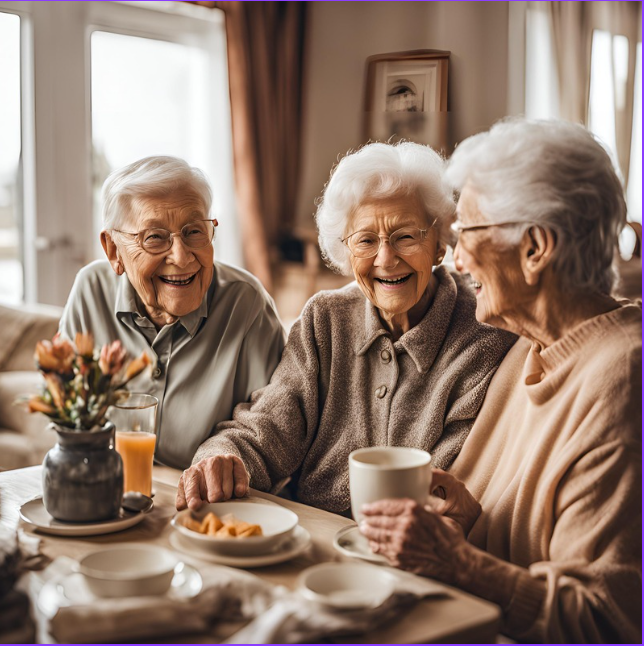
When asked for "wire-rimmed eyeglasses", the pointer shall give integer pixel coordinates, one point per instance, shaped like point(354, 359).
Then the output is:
point(195, 235)
point(405, 241)
point(458, 228)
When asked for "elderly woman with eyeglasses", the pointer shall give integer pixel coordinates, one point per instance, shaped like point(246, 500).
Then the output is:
point(554, 457)
point(210, 328)
point(394, 359)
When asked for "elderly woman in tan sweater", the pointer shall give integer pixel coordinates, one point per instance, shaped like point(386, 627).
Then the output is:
point(396, 358)
point(554, 458)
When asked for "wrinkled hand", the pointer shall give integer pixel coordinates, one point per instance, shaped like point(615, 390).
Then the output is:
point(212, 480)
point(457, 503)
point(416, 539)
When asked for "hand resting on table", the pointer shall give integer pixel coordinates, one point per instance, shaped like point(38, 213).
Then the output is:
point(212, 479)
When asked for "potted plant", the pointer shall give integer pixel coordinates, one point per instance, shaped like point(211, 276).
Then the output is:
point(83, 474)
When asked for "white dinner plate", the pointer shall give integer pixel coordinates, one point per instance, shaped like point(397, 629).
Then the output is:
point(71, 589)
point(291, 548)
point(34, 513)
point(350, 542)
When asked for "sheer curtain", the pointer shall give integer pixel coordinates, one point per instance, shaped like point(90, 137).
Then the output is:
point(265, 42)
point(574, 24)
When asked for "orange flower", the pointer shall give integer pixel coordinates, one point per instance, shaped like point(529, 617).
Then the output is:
point(56, 389)
point(56, 355)
point(137, 366)
point(84, 343)
point(37, 405)
point(112, 358)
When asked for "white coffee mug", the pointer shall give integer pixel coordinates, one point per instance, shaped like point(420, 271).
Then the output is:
point(388, 472)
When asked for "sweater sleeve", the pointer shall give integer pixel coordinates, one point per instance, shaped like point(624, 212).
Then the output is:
point(274, 430)
point(590, 589)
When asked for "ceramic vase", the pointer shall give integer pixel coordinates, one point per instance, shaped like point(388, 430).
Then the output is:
point(82, 475)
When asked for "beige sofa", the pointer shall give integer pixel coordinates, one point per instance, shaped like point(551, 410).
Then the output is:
point(24, 438)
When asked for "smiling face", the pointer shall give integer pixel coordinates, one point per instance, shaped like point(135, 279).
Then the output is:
point(495, 269)
point(394, 283)
point(173, 283)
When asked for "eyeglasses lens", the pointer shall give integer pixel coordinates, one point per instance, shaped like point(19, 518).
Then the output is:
point(366, 244)
point(194, 235)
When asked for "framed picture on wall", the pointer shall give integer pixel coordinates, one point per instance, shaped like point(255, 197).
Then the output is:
point(406, 97)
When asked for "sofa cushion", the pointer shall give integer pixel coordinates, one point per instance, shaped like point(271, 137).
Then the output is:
point(21, 329)
point(32, 439)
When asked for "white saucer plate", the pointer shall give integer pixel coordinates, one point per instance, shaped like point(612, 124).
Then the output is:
point(72, 589)
point(291, 548)
point(34, 513)
point(350, 542)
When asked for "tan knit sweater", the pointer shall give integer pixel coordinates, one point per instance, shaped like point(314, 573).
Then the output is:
point(555, 460)
point(343, 384)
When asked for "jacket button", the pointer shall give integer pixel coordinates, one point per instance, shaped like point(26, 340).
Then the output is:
point(156, 373)
point(385, 355)
point(381, 391)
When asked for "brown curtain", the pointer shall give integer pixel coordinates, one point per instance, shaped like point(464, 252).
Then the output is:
point(573, 24)
point(265, 65)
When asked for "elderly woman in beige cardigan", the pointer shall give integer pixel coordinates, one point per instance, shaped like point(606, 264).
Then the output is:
point(396, 358)
point(554, 458)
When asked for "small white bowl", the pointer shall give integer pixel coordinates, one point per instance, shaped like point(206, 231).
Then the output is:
point(277, 525)
point(346, 585)
point(129, 570)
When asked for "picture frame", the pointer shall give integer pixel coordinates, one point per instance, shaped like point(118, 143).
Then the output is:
point(406, 97)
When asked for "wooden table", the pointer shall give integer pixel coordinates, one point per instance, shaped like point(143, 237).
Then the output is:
point(456, 618)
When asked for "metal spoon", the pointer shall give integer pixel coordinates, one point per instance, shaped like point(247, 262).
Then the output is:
point(136, 502)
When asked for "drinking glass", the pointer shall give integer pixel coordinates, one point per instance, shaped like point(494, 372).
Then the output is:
point(135, 419)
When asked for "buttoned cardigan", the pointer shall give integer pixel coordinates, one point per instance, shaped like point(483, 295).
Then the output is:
point(344, 384)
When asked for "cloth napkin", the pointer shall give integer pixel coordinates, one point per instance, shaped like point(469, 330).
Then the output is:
point(277, 614)
point(293, 619)
point(227, 594)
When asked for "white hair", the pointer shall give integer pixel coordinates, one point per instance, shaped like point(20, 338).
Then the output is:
point(378, 171)
point(150, 177)
point(554, 174)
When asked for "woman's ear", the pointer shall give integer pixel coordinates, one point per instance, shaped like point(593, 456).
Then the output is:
point(441, 249)
point(537, 249)
point(112, 253)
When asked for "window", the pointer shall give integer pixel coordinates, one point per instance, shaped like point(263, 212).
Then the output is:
point(149, 97)
point(11, 278)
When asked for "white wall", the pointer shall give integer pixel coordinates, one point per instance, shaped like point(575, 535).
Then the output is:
point(343, 34)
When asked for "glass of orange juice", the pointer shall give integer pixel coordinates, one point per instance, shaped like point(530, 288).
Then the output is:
point(135, 419)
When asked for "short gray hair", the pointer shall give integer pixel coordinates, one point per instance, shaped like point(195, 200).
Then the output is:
point(379, 171)
point(150, 177)
point(555, 174)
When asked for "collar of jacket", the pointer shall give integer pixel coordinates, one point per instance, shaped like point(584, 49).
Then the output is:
point(423, 342)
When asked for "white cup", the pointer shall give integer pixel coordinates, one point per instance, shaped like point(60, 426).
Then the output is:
point(388, 472)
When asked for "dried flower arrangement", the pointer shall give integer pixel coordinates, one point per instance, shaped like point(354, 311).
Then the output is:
point(81, 383)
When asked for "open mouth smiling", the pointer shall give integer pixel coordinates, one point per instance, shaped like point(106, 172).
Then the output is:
point(393, 281)
point(177, 281)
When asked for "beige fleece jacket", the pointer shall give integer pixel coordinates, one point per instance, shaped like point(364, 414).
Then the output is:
point(555, 460)
point(343, 384)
